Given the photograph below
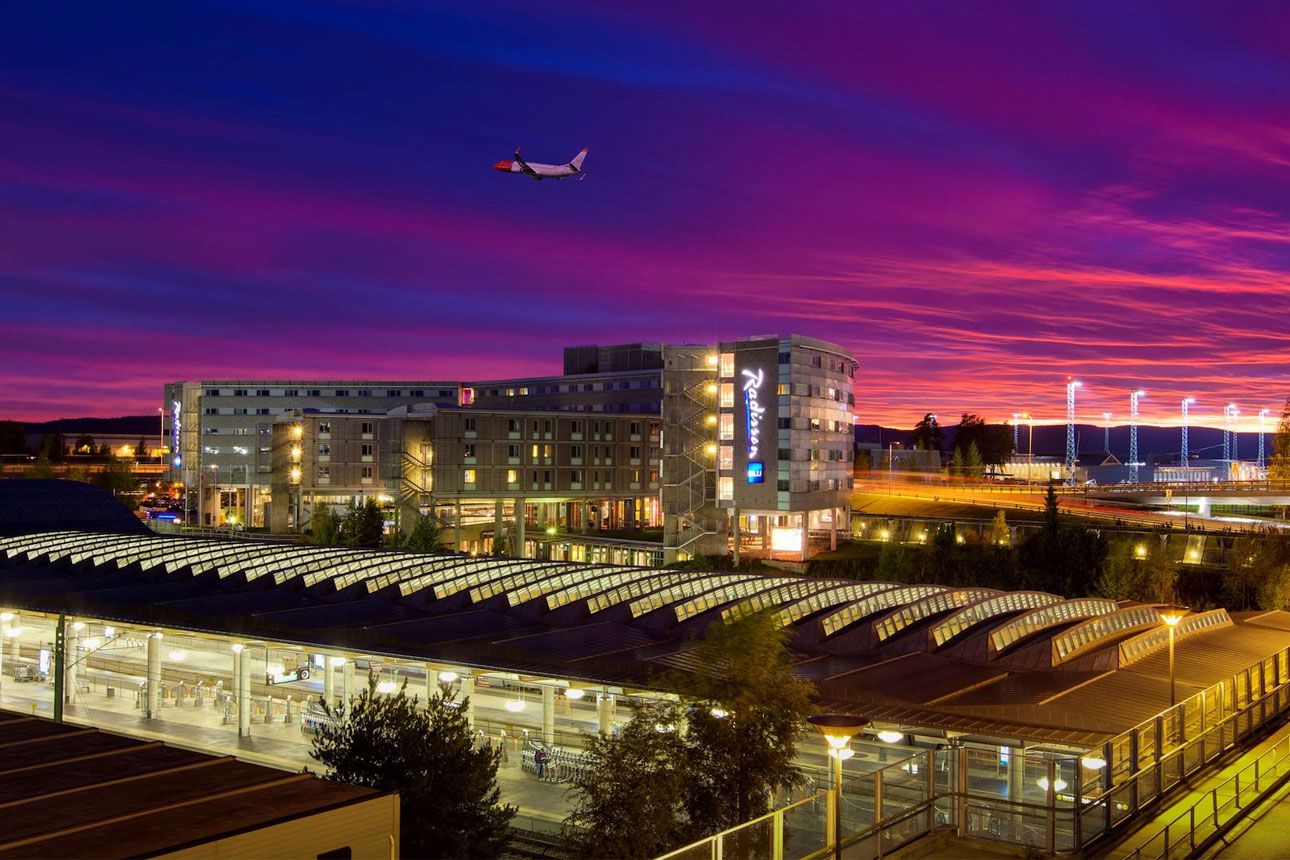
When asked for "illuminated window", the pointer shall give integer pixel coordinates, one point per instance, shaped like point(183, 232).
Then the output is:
point(512, 476)
point(727, 458)
point(727, 400)
point(725, 489)
point(727, 364)
point(470, 476)
point(727, 432)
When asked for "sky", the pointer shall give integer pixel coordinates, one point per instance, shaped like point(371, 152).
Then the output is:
point(979, 200)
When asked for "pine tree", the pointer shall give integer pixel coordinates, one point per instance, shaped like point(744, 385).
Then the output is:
point(972, 461)
point(1279, 463)
point(364, 525)
point(629, 800)
point(426, 535)
point(448, 794)
point(324, 525)
point(999, 534)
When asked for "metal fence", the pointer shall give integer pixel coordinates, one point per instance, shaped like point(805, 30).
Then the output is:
point(796, 830)
point(1056, 802)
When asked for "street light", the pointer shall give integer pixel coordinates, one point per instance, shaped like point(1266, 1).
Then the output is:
point(838, 730)
point(1171, 615)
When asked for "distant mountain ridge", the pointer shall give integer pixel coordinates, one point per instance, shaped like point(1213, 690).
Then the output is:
point(134, 425)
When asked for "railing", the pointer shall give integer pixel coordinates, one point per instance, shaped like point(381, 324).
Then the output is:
point(1216, 810)
point(796, 830)
point(1057, 802)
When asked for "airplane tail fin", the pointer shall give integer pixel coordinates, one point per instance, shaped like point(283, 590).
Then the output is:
point(579, 158)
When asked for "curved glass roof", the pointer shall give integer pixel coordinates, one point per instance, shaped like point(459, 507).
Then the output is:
point(863, 608)
point(1008, 634)
point(1095, 632)
point(828, 598)
point(900, 619)
point(973, 615)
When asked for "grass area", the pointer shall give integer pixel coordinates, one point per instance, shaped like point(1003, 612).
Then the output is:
point(878, 505)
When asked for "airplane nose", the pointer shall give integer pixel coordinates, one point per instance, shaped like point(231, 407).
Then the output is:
point(504, 166)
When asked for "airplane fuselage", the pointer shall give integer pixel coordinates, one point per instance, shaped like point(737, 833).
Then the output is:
point(538, 171)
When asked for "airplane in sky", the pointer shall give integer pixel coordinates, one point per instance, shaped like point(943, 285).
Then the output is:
point(544, 171)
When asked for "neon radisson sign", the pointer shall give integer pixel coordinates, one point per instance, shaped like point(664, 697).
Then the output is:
point(754, 411)
point(174, 430)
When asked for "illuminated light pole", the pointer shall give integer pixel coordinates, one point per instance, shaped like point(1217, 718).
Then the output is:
point(838, 730)
point(1186, 402)
point(1016, 442)
point(1263, 413)
point(1229, 420)
point(1070, 430)
point(1171, 615)
point(1106, 432)
point(1133, 435)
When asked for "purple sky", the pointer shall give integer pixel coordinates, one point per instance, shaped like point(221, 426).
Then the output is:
point(979, 199)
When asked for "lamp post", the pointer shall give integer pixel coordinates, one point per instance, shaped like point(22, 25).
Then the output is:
point(1171, 615)
point(838, 729)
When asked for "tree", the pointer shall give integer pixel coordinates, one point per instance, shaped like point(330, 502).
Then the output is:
point(53, 447)
point(928, 435)
point(972, 461)
point(42, 470)
point(1132, 572)
point(426, 535)
point(84, 444)
point(13, 438)
point(500, 548)
point(117, 479)
point(448, 794)
point(141, 449)
point(895, 563)
point(744, 712)
point(1062, 558)
point(324, 525)
point(629, 800)
point(993, 442)
point(364, 525)
point(999, 533)
point(1279, 464)
point(957, 467)
point(1258, 572)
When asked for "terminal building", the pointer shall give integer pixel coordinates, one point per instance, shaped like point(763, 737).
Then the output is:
point(642, 436)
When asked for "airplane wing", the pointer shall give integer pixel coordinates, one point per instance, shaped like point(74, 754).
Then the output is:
point(524, 165)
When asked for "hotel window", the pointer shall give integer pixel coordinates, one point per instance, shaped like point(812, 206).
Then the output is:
point(291, 392)
point(470, 425)
point(634, 428)
point(241, 410)
point(417, 392)
point(342, 392)
point(727, 458)
point(366, 450)
point(324, 449)
point(211, 410)
point(365, 472)
point(576, 476)
point(512, 476)
point(261, 392)
point(470, 452)
point(546, 427)
point(727, 399)
point(315, 392)
point(364, 392)
point(817, 361)
point(513, 451)
point(324, 473)
point(587, 386)
point(576, 427)
point(726, 488)
point(524, 392)
point(815, 424)
point(783, 390)
point(393, 392)
point(727, 364)
point(324, 426)
point(443, 393)
point(469, 476)
point(533, 452)
point(634, 452)
point(512, 425)
point(239, 392)
point(211, 392)
point(368, 427)
point(262, 411)
point(727, 431)
point(575, 451)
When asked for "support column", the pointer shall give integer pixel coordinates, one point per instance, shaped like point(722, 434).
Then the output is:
point(1016, 775)
point(244, 694)
point(548, 714)
point(806, 534)
point(329, 681)
point(456, 528)
point(468, 696)
point(497, 523)
point(346, 681)
point(154, 674)
point(237, 676)
point(604, 712)
point(432, 682)
point(833, 531)
point(734, 525)
point(520, 523)
point(70, 644)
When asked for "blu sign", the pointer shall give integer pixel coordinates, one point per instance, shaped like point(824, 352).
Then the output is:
point(753, 381)
point(174, 430)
